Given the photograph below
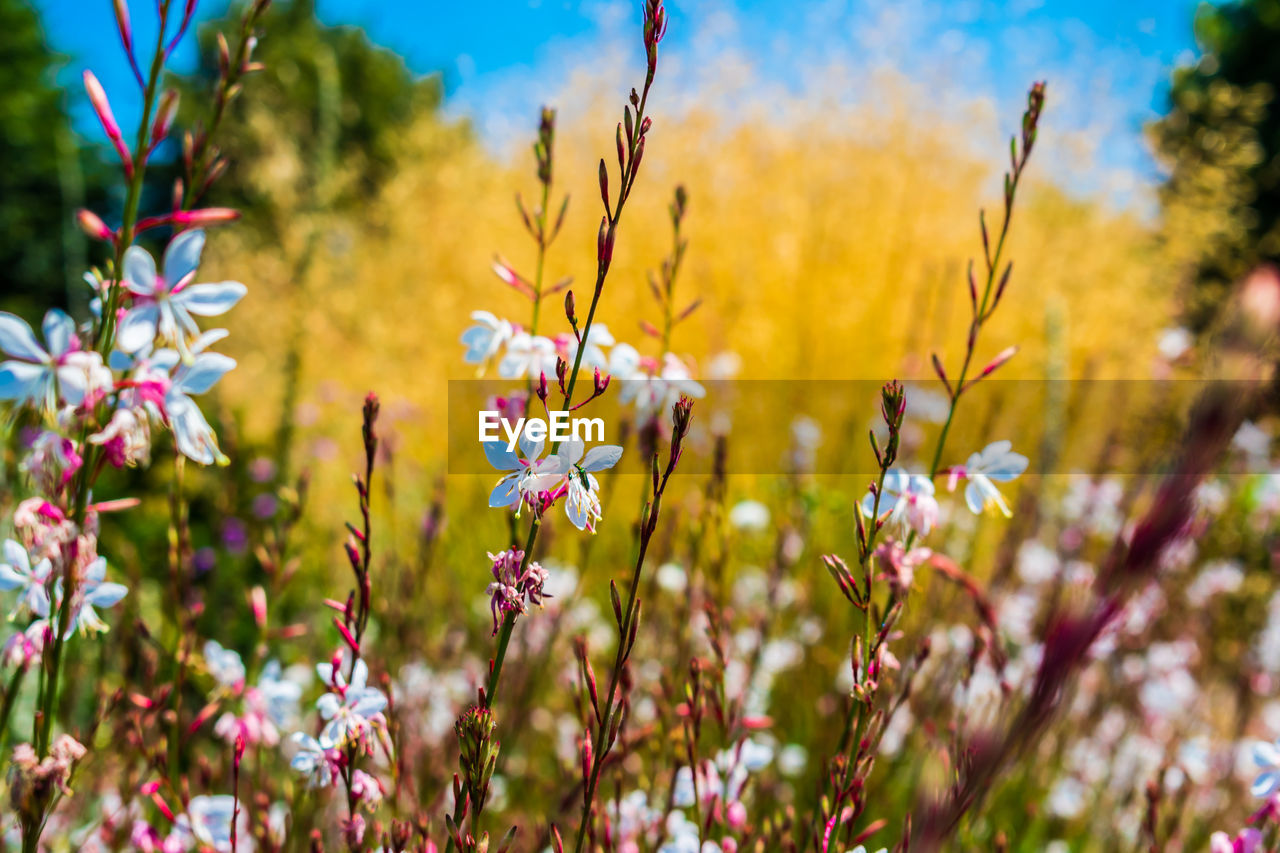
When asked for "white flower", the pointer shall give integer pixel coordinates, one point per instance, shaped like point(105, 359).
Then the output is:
point(651, 390)
point(996, 462)
point(191, 432)
point(163, 305)
point(92, 591)
point(280, 694)
point(526, 475)
point(44, 376)
point(208, 820)
point(17, 573)
point(350, 710)
point(593, 356)
point(486, 338)
point(224, 665)
point(909, 500)
point(528, 355)
point(1267, 757)
point(1173, 342)
point(749, 515)
point(127, 437)
point(575, 473)
point(312, 761)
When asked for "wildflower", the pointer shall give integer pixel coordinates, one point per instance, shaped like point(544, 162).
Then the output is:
point(485, 338)
point(224, 665)
point(526, 476)
point(92, 591)
point(909, 501)
point(366, 789)
point(528, 355)
point(1248, 841)
point(1267, 757)
point(208, 821)
point(350, 709)
point(52, 461)
point(163, 304)
point(651, 387)
point(749, 515)
point(511, 588)
point(996, 462)
point(899, 564)
point(24, 648)
point(267, 706)
point(313, 760)
point(34, 781)
point(44, 376)
point(581, 488)
point(17, 573)
point(191, 432)
point(126, 438)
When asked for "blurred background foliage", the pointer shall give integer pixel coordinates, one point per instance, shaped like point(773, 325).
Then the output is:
point(1221, 144)
point(48, 172)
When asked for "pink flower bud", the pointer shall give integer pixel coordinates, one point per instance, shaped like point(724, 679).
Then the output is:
point(122, 23)
point(258, 603)
point(164, 116)
point(1000, 359)
point(98, 98)
point(206, 216)
point(93, 226)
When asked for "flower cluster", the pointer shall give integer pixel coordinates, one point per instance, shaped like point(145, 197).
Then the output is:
point(516, 584)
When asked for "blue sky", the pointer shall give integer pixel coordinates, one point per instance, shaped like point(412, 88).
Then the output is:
point(1113, 57)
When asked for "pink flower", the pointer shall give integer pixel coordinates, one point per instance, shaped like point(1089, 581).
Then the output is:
point(1248, 841)
point(512, 589)
point(898, 564)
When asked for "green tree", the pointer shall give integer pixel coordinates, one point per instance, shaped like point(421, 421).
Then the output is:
point(326, 113)
point(317, 137)
point(1221, 144)
point(46, 173)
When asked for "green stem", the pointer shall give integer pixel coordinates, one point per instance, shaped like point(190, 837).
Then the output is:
point(10, 694)
point(542, 257)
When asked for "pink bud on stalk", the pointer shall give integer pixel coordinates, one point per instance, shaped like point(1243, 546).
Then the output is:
point(258, 603)
point(604, 186)
point(347, 637)
point(122, 24)
point(992, 366)
point(504, 271)
point(995, 363)
point(102, 107)
point(189, 218)
point(164, 116)
point(93, 226)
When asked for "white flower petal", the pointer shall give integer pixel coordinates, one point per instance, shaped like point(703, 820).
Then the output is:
point(207, 369)
point(59, 331)
point(182, 255)
point(17, 339)
point(139, 271)
point(210, 300)
point(138, 328)
point(602, 457)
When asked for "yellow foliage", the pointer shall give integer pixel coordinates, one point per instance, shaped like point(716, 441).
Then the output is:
point(820, 251)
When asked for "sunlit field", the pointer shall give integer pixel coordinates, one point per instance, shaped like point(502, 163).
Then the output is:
point(933, 505)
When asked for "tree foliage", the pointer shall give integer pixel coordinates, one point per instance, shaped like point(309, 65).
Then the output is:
point(44, 177)
point(1221, 143)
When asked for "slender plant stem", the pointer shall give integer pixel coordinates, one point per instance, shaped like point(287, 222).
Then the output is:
point(44, 719)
